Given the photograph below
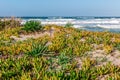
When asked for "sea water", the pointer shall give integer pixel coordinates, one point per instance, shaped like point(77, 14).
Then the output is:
point(90, 23)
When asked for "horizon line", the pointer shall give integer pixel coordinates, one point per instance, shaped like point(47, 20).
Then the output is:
point(57, 16)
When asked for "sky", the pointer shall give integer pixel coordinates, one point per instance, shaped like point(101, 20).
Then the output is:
point(59, 7)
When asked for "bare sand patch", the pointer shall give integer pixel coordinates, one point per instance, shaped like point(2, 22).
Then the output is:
point(102, 58)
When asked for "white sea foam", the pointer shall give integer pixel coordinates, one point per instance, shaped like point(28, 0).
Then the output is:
point(112, 23)
point(110, 26)
point(77, 26)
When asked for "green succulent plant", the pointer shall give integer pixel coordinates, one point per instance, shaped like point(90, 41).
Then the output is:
point(38, 50)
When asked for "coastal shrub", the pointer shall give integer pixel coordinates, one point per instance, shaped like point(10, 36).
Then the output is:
point(68, 25)
point(2, 25)
point(9, 23)
point(32, 26)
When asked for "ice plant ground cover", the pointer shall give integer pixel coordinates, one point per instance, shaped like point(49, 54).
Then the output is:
point(58, 53)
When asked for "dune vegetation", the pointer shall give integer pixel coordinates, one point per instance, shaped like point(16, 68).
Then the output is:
point(51, 52)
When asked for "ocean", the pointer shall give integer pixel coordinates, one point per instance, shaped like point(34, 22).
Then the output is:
point(90, 23)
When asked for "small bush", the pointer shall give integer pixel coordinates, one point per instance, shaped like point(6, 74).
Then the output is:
point(10, 23)
point(2, 25)
point(68, 25)
point(32, 26)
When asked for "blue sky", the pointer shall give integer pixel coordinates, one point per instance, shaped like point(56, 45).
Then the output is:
point(59, 7)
